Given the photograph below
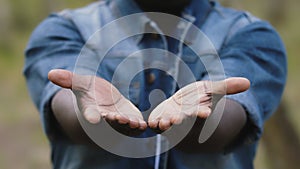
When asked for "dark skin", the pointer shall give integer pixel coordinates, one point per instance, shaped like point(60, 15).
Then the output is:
point(166, 6)
point(130, 122)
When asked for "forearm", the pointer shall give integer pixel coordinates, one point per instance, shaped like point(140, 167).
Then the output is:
point(232, 122)
point(64, 109)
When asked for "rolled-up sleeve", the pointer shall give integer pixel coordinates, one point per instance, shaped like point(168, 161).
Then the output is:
point(55, 43)
point(256, 52)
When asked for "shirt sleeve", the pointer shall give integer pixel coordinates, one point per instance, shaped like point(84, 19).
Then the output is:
point(55, 43)
point(257, 53)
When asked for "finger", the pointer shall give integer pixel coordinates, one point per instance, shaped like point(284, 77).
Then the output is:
point(60, 77)
point(231, 85)
point(153, 124)
point(134, 123)
point(176, 119)
point(143, 125)
point(92, 115)
point(122, 119)
point(164, 124)
point(204, 112)
point(158, 111)
point(237, 85)
point(111, 116)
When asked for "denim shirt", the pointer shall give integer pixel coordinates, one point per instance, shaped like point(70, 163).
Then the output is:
point(253, 50)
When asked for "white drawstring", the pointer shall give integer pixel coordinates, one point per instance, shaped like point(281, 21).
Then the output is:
point(157, 151)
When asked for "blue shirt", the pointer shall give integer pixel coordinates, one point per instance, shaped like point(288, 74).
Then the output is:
point(254, 51)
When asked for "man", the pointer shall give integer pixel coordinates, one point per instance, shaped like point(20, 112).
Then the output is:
point(250, 49)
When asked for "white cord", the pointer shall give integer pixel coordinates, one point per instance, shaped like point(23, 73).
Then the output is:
point(157, 151)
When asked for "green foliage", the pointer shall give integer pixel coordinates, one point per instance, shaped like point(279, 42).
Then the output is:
point(19, 121)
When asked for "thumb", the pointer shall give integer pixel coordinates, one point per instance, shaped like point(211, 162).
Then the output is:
point(60, 77)
point(236, 85)
point(232, 85)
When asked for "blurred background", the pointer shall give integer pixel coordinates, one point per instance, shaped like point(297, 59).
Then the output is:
point(23, 144)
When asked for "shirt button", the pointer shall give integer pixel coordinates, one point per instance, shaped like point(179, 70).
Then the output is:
point(154, 36)
point(151, 78)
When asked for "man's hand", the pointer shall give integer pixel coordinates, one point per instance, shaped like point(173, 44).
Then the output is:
point(195, 99)
point(97, 98)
